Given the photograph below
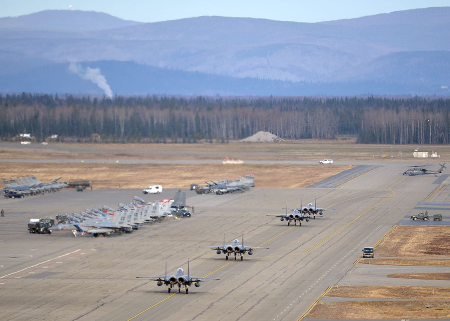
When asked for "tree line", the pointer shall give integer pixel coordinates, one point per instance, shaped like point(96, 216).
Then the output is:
point(218, 119)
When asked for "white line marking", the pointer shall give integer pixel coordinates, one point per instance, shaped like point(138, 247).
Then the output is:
point(4, 276)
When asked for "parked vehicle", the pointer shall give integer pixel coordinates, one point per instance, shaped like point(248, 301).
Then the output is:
point(153, 189)
point(13, 194)
point(437, 217)
point(326, 161)
point(420, 216)
point(181, 213)
point(41, 226)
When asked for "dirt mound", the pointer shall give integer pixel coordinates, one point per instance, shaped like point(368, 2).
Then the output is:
point(262, 137)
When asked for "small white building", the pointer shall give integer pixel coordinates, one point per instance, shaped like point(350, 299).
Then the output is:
point(418, 154)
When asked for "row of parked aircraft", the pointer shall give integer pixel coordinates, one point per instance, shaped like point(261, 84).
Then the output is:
point(235, 248)
point(126, 218)
point(30, 185)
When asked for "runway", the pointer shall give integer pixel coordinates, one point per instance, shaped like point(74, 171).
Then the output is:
point(59, 277)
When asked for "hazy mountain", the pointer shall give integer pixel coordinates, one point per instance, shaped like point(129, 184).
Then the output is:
point(403, 52)
point(65, 20)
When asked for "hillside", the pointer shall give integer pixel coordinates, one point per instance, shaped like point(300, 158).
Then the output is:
point(397, 53)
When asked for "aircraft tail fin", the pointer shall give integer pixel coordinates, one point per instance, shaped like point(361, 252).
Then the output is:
point(79, 229)
point(442, 168)
point(188, 270)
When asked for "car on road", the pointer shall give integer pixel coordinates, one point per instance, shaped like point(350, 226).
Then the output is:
point(326, 161)
point(368, 252)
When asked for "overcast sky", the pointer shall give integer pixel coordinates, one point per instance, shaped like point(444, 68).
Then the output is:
point(284, 10)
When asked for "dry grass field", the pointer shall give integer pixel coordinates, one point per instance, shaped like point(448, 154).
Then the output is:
point(414, 246)
point(171, 176)
point(421, 276)
point(310, 149)
point(382, 310)
point(390, 292)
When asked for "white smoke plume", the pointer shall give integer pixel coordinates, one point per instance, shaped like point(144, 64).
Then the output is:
point(92, 74)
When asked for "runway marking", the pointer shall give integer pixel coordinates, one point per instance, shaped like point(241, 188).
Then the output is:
point(434, 192)
point(154, 305)
point(393, 227)
point(315, 302)
point(357, 177)
point(356, 218)
point(342, 258)
point(5, 277)
point(390, 188)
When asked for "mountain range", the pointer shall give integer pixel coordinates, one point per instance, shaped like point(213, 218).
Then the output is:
point(78, 52)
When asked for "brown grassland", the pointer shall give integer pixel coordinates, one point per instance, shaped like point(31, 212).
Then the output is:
point(421, 276)
point(390, 292)
point(382, 310)
point(172, 176)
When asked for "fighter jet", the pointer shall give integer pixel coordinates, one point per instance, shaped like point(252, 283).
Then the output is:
point(295, 216)
point(311, 210)
point(420, 170)
point(236, 248)
point(179, 279)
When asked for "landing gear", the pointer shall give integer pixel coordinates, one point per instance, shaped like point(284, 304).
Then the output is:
point(179, 289)
point(299, 223)
point(226, 257)
point(289, 223)
point(168, 290)
point(242, 258)
point(187, 291)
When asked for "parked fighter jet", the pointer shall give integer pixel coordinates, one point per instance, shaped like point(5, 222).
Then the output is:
point(312, 210)
point(295, 216)
point(236, 248)
point(179, 279)
point(420, 170)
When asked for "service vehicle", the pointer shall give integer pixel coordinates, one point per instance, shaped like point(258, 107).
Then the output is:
point(368, 252)
point(13, 194)
point(41, 226)
point(420, 216)
point(153, 189)
point(181, 213)
point(326, 161)
point(437, 217)
point(194, 187)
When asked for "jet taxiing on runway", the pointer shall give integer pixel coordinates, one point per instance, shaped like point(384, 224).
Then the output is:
point(420, 170)
point(312, 210)
point(295, 216)
point(236, 248)
point(179, 279)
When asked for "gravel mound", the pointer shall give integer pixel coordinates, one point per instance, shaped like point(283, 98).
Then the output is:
point(261, 137)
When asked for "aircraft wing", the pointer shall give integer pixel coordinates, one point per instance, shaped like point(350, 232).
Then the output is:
point(198, 279)
point(154, 278)
point(255, 247)
point(277, 215)
point(99, 230)
point(215, 247)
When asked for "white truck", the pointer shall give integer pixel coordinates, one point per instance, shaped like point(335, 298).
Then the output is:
point(326, 161)
point(153, 189)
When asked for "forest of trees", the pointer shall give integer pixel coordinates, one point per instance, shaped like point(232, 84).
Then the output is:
point(218, 119)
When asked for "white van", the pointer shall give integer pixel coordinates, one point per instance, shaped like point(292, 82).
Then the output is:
point(153, 189)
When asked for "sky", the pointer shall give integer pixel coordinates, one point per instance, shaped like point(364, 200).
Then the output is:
point(282, 10)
